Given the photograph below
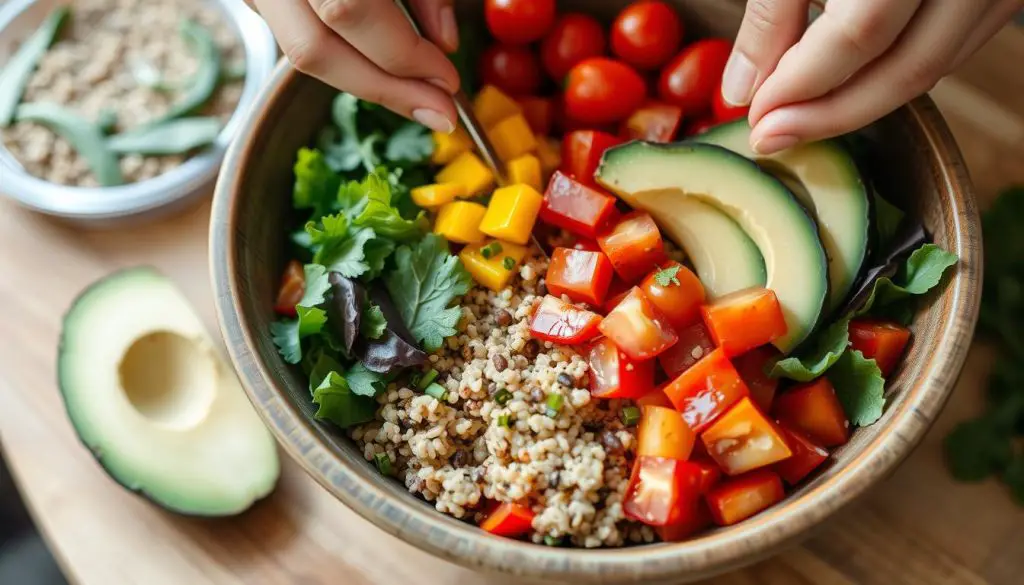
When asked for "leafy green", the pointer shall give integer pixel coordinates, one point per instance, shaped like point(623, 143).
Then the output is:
point(316, 285)
point(411, 143)
point(887, 221)
point(346, 255)
point(375, 254)
point(859, 386)
point(288, 335)
point(824, 351)
point(316, 185)
point(372, 208)
point(18, 69)
point(423, 285)
point(922, 272)
point(323, 364)
point(667, 276)
point(373, 324)
point(364, 382)
point(340, 405)
point(977, 449)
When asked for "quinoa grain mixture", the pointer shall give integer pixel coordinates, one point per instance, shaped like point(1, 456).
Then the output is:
point(90, 70)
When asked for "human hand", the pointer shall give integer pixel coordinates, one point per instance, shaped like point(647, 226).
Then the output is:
point(860, 60)
point(369, 49)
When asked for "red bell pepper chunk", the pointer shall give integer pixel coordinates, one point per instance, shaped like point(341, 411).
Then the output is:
point(511, 520)
point(654, 122)
point(582, 151)
point(705, 391)
point(742, 497)
point(664, 433)
point(662, 491)
point(711, 474)
point(634, 246)
point(753, 367)
point(881, 341)
point(575, 207)
point(637, 328)
point(582, 275)
point(586, 245)
point(560, 322)
point(293, 287)
point(539, 113)
point(675, 291)
point(614, 375)
point(694, 343)
point(807, 456)
point(745, 319)
point(814, 410)
point(744, 439)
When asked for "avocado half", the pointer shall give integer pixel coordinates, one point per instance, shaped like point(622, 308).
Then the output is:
point(656, 177)
point(829, 185)
point(148, 393)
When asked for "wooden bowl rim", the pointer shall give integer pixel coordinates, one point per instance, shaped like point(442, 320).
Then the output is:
point(724, 549)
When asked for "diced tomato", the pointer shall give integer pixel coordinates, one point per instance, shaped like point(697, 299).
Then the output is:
point(807, 456)
point(710, 472)
point(664, 433)
point(677, 292)
point(583, 276)
point(654, 122)
point(814, 410)
point(539, 113)
point(691, 524)
point(745, 319)
point(614, 375)
point(511, 520)
point(744, 438)
point(293, 287)
point(753, 367)
point(582, 151)
point(587, 245)
point(560, 322)
point(742, 497)
point(662, 491)
point(705, 391)
point(694, 343)
point(575, 207)
point(881, 341)
point(617, 291)
point(655, 397)
point(634, 246)
point(637, 327)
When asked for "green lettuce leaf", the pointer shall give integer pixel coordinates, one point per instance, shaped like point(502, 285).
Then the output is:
point(364, 382)
point(922, 272)
point(340, 405)
point(373, 209)
point(288, 334)
point(316, 285)
point(316, 185)
point(859, 386)
point(824, 352)
point(376, 254)
point(887, 221)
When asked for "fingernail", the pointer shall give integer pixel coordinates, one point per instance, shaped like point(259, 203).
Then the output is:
point(434, 120)
point(738, 80)
point(444, 85)
point(449, 30)
point(773, 144)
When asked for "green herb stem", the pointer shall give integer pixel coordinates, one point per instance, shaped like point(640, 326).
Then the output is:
point(504, 420)
point(630, 415)
point(427, 379)
point(383, 463)
point(437, 391)
point(554, 403)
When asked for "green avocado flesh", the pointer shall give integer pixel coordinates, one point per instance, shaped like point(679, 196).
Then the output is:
point(148, 393)
point(830, 187)
point(647, 175)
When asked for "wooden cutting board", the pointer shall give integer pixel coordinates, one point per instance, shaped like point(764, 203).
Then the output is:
point(918, 528)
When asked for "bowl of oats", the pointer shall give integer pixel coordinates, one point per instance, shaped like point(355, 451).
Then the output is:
point(111, 109)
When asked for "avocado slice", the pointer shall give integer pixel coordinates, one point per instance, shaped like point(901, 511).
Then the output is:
point(148, 393)
point(766, 210)
point(825, 179)
point(724, 256)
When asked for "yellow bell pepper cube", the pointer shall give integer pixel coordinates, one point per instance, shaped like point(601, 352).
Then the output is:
point(432, 196)
point(549, 151)
point(470, 172)
point(491, 106)
point(459, 222)
point(448, 147)
point(512, 137)
point(525, 170)
point(493, 264)
point(512, 213)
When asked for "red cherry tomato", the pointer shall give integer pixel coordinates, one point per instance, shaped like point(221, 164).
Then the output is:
point(603, 91)
point(653, 122)
point(694, 343)
point(725, 112)
point(637, 328)
point(646, 34)
point(293, 286)
point(581, 274)
point(614, 375)
point(675, 291)
point(560, 322)
point(881, 341)
point(574, 37)
point(513, 69)
point(519, 21)
point(691, 79)
point(582, 151)
point(573, 206)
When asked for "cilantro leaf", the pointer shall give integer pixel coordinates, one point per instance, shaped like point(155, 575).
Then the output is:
point(373, 324)
point(316, 285)
point(376, 253)
point(316, 185)
point(425, 281)
point(285, 335)
point(322, 366)
point(667, 276)
point(364, 382)
point(976, 449)
point(411, 143)
point(347, 255)
point(824, 351)
point(859, 386)
point(339, 405)
point(375, 211)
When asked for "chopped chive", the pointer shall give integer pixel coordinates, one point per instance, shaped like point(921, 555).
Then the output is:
point(426, 379)
point(509, 263)
point(491, 250)
point(414, 379)
point(502, 397)
point(630, 415)
point(503, 420)
point(554, 403)
point(437, 391)
point(552, 540)
point(383, 463)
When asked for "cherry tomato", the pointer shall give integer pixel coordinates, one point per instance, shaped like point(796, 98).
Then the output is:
point(511, 520)
point(691, 79)
point(575, 207)
point(699, 126)
point(637, 328)
point(753, 367)
point(725, 112)
point(662, 491)
point(646, 34)
point(706, 390)
point(539, 113)
point(560, 322)
point(664, 433)
point(881, 341)
point(807, 456)
point(743, 439)
point(293, 286)
point(581, 274)
point(653, 122)
point(745, 319)
point(694, 343)
point(741, 497)
point(634, 246)
point(519, 22)
point(513, 69)
point(614, 375)
point(582, 151)
point(814, 409)
point(675, 291)
point(574, 37)
point(603, 91)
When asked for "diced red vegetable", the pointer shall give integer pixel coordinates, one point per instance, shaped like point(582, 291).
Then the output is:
point(617, 291)
point(742, 497)
point(539, 113)
point(675, 291)
point(699, 126)
point(655, 397)
point(807, 456)
point(614, 375)
point(710, 472)
point(662, 491)
point(560, 322)
point(664, 433)
point(634, 246)
point(637, 328)
point(745, 319)
point(705, 391)
point(583, 276)
point(511, 520)
point(688, 526)
point(293, 286)
point(588, 245)
point(881, 341)
point(582, 151)
point(575, 207)
point(814, 410)
point(744, 439)
point(654, 122)
point(724, 111)
point(694, 343)
point(753, 367)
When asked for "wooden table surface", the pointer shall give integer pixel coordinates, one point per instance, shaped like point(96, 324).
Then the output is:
point(918, 528)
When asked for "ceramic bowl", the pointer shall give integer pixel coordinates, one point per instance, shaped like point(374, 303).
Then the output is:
point(914, 160)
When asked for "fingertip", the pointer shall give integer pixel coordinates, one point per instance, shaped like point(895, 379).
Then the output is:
point(448, 33)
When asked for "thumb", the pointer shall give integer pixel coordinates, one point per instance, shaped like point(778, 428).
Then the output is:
point(769, 29)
